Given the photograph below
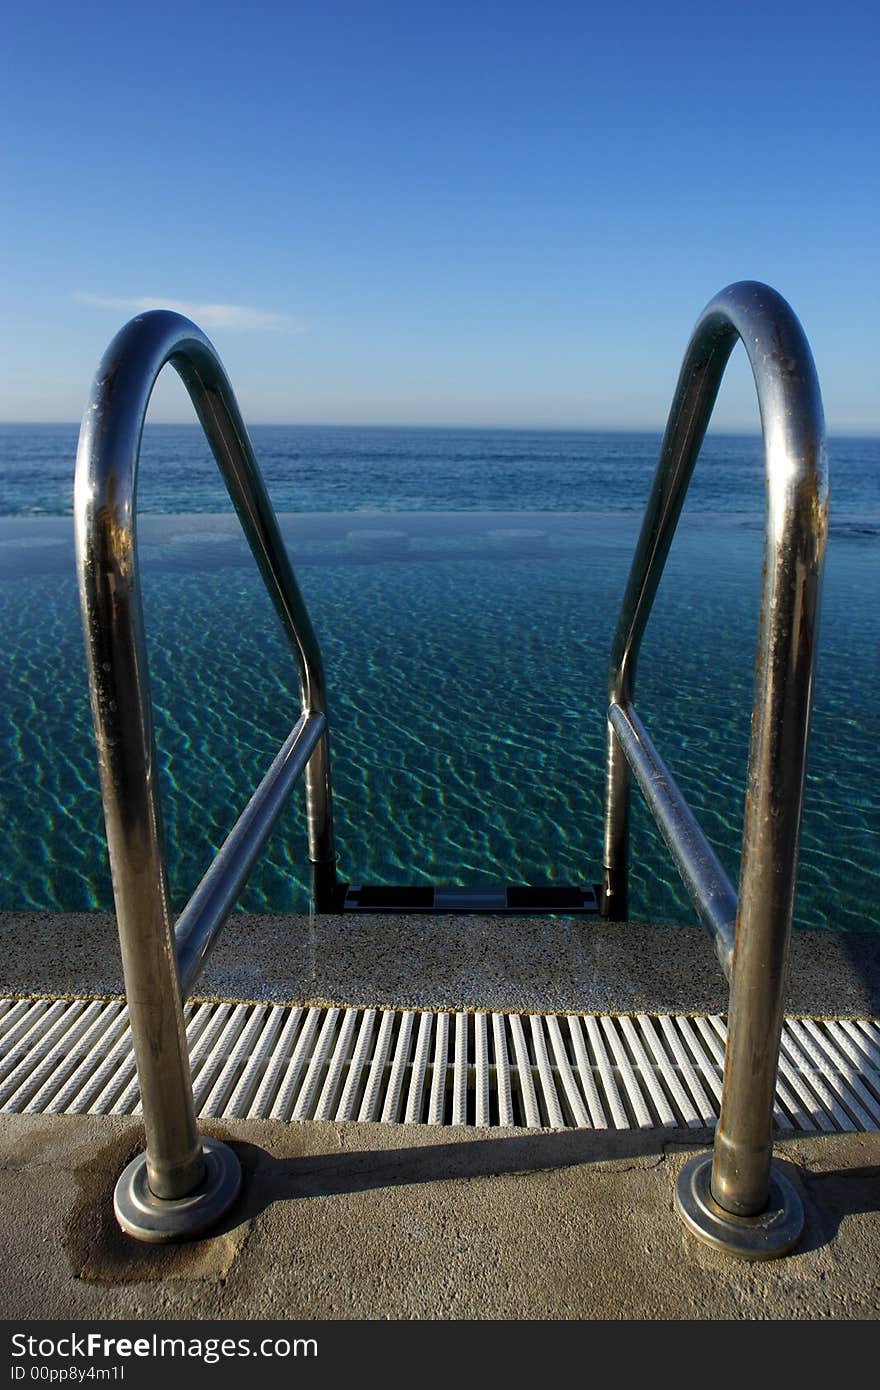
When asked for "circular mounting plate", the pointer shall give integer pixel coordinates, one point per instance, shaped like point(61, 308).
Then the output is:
point(773, 1232)
point(159, 1219)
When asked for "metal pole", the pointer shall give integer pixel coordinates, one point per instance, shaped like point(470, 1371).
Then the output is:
point(201, 921)
point(740, 1208)
point(708, 886)
point(182, 1183)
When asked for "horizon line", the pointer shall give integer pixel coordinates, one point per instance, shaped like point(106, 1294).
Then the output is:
point(852, 431)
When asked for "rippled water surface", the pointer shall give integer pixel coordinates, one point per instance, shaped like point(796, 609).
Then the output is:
point(467, 661)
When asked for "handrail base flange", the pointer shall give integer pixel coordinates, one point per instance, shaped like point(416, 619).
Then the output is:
point(159, 1220)
point(771, 1233)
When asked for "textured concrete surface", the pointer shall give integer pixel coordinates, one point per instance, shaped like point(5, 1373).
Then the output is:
point(381, 1221)
point(369, 1221)
point(514, 963)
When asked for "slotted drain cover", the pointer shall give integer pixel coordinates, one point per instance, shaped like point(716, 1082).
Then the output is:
point(535, 1070)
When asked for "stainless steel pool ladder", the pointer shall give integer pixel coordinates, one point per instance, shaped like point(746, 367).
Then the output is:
point(182, 1183)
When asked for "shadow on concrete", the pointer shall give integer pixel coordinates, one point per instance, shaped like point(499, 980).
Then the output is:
point(269, 1179)
point(834, 1196)
point(830, 1196)
point(280, 1168)
point(99, 1252)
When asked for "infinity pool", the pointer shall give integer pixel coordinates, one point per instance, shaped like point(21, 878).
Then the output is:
point(466, 657)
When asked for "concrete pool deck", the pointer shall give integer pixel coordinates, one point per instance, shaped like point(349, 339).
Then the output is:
point(447, 962)
point(341, 1220)
point(376, 1221)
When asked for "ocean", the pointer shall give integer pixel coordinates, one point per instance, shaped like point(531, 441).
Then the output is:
point(344, 469)
point(464, 585)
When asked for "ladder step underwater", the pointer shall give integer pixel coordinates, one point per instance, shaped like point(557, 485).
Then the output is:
point(508, 899)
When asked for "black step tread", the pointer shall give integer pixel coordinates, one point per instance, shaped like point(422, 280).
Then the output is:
point(486, 899)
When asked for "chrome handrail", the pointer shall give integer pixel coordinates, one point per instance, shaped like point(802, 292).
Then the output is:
point(741, 1207)
point(182, 1183)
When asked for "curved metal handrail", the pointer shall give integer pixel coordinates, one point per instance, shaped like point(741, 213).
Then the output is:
point(794, 541)
point(105, 526)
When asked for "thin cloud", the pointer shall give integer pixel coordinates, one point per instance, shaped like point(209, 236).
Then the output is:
point(236, 318)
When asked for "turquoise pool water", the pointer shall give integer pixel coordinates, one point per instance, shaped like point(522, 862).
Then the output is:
point(467, 657)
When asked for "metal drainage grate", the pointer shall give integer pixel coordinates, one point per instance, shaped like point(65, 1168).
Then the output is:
point(537, 1071)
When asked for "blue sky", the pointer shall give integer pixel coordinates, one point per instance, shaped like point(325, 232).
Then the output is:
point(483, 213)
